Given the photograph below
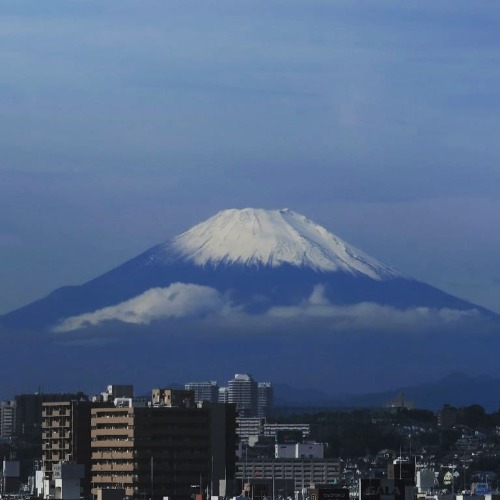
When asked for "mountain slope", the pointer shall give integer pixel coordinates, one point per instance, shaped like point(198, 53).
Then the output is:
point(261, 258)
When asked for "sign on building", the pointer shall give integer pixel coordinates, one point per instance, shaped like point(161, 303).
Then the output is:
point(385, 489)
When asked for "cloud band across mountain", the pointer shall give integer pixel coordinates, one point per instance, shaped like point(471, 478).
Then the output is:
point(192, 301)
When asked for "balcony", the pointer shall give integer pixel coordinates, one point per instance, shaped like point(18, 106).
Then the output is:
point(123, 420)
point(112, 443)
point(112, 455)
point(113, 432)
point(62, 446)
point(110, 468)
point(96, 479)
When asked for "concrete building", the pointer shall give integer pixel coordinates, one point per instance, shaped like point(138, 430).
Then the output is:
point(243, 391)
point(264, 399)
point(389, 489)
point(447, 417)
point(157, 451)
point(302, 473)
point(204, 391)
point(278, 430)
point(223, 395)
point(66, 437)
point(426, 481)
point(10, 480)
point(67, 477)
point(222, 443)
point(114, 391)
point(247, 427)
point(7, 418)
point(29, 413)
point(300, 450)
point(173, 398)
point(252, 427)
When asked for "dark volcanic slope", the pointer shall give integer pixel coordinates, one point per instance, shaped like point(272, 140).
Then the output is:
point(257, 287)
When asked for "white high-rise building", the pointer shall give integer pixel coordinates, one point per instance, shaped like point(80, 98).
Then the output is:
point(242, 390)
point(223, 395)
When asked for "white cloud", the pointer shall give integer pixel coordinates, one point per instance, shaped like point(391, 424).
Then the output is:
point(371, 316)
point(213, 312)
point(178, 300)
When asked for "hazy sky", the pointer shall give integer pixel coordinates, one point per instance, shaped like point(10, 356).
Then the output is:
point(124, 122)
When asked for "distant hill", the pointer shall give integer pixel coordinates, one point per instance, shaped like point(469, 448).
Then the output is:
point(457, 389)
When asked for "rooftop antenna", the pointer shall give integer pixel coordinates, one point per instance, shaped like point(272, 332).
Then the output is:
point(400, 462)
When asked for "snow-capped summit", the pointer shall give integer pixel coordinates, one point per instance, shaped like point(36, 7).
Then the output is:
point(271, 238)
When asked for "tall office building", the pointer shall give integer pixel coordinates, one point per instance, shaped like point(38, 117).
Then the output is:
point(242, 391)
point(7, 418)
point(204, 391)
point(264, 398)
point(222, 443)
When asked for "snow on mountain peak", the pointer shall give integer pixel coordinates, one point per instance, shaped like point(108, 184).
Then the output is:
point(257, 237)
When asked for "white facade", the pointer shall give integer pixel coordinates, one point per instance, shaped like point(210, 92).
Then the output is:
point(272, 429)
point(302, 472)
point(242, 391)
point(223, 395)
point(10, 468)
point(39, 480)
point(300, 450)
point(135, 402)
point(246, 427)
point(67, 489)
point(116, 391)
point(426, 480)
point(66, 480)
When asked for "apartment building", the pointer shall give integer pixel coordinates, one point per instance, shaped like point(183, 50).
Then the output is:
point(301, 473)
point(151, 452)
point(28, 413)
point(66, 436)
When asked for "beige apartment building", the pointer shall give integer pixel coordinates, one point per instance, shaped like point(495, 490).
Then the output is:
point(66, 436)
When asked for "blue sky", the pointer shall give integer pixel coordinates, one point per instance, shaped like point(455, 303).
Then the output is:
point(123, 123)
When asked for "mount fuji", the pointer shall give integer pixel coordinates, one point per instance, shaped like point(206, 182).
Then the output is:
point(260, 258)
point(266, 291)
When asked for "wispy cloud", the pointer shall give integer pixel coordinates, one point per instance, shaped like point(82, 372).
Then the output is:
point(369, 315)
point(179, 300)
point(212, 311)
